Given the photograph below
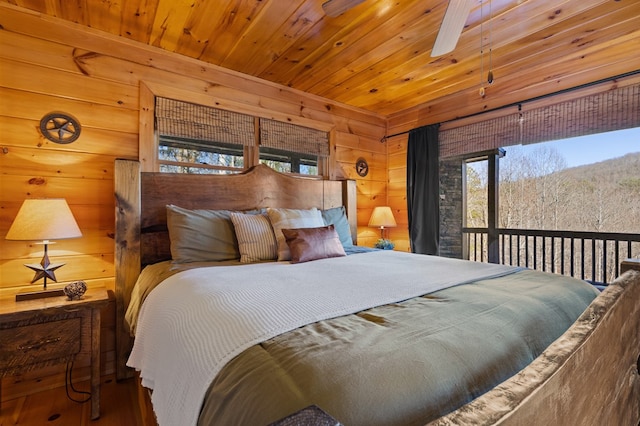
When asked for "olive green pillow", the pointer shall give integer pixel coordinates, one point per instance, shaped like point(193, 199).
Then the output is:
point(201, 235)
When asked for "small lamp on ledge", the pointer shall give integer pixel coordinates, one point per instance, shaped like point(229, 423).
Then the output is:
point(382, 217)
point(42, 220)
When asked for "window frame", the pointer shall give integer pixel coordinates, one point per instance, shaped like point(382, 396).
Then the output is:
point(297, 159)
point(215, 149)
point(149, 139)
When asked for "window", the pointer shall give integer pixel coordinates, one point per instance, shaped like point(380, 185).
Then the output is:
point(179, 155)
point(201, 139)
point(588, 183)
point(289, 162)
point(475, 193)
point(292, 148)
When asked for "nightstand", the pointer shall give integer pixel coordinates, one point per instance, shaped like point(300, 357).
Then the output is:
point(41, 332)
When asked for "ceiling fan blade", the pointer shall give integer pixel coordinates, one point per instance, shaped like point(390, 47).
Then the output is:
point(451, 26)
point(334, 8)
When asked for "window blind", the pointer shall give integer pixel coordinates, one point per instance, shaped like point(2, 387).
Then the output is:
point(293, 138)
point(200, 122)
point(601, 112)
point(482, 136)
point(604, 112)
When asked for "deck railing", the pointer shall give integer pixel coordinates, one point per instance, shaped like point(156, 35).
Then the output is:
point(591, 256)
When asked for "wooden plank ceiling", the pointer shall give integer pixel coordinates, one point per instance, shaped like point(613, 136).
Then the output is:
point(377, 55)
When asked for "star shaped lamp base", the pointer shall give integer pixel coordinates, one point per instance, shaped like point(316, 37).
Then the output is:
point(45, 269)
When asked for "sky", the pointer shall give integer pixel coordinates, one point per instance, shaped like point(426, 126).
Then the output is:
point(594, 148)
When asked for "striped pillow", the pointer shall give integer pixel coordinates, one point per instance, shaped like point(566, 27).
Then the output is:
point(256, 240)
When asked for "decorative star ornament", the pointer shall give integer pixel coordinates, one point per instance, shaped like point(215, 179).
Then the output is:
point(44, 269)
point(60, 127)
point(63, 128)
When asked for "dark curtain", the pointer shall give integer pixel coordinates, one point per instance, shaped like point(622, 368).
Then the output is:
point(423, 189)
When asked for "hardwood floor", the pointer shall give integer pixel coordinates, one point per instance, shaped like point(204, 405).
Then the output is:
point(118, 407)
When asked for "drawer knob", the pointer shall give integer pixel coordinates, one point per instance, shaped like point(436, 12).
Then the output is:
point(39, 344)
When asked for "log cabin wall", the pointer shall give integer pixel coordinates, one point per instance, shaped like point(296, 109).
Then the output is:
point(53, 65)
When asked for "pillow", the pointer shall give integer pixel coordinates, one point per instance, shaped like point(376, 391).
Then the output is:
point(292, 219)
point(313, 243)
point(337, 216)
point(256, 241)
point(201, 235)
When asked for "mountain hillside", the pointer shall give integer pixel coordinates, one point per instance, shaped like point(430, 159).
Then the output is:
point(617, 169)
point(538, 192)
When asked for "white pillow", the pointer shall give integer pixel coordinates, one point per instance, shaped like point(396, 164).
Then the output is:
point(256, 241)
point(292, 219)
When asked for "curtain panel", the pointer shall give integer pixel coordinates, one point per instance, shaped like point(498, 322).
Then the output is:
point(423, 189)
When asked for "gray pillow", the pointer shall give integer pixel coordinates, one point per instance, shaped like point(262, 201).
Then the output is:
point(201, 235)
point(338, 218)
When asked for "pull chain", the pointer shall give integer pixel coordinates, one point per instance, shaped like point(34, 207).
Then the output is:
point(481, 92)
point(490, 75)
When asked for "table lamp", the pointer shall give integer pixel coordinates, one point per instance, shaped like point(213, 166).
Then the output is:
point(43, 219)
point(382, 217)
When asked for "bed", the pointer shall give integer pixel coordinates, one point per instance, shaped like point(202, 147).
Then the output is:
point(573, 381)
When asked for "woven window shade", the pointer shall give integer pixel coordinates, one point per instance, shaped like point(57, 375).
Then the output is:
point(602, 112)
point(293, 138)
point(481, 136)
point(200, 122)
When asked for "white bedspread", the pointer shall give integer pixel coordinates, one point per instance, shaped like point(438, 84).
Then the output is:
point(193, 323)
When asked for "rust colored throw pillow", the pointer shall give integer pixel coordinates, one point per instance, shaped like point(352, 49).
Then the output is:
point(308, 244)
point(292, 219)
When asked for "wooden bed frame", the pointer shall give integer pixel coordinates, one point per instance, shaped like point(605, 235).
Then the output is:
point(589, 376)
point(141, 219)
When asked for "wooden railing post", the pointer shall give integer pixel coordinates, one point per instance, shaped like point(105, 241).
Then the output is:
point(493, 245)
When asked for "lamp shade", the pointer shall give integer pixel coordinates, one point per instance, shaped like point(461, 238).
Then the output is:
point(382, 217)
point(44, 219)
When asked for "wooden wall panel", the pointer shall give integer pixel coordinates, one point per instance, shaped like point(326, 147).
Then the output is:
point(29, 77)
point(25, 133)
point(94, 118)
point(51, 65)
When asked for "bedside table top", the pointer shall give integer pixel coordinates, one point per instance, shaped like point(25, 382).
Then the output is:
point(93, 296)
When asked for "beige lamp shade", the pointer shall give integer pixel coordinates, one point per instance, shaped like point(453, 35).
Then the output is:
point(43, 219)
point(382, 217)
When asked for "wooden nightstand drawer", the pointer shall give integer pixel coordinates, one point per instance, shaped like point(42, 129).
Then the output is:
point(39, 343)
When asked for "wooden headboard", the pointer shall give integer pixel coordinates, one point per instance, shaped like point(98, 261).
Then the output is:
point(141, 222)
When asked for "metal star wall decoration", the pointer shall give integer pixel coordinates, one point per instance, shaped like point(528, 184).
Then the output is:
point(60, 127)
